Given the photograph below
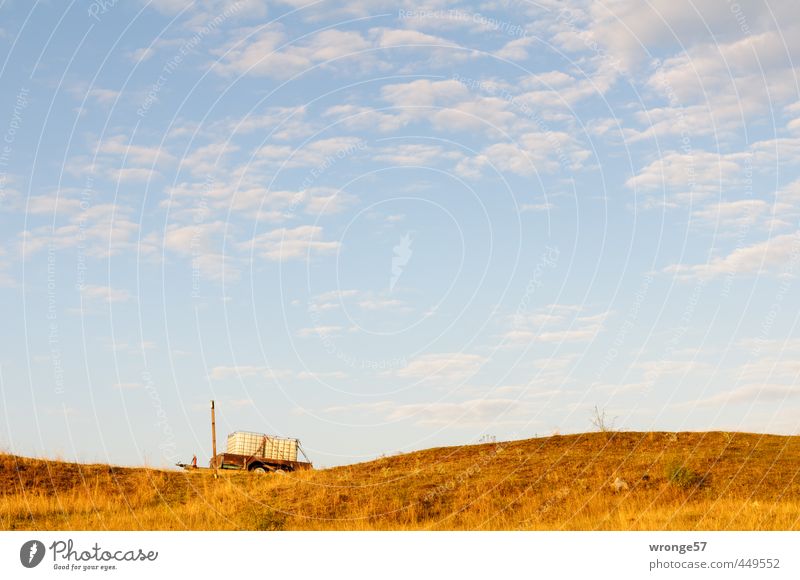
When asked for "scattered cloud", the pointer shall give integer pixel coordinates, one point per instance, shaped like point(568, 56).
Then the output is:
point(758, 393)
point(284, 244)
point(104, 293)
point(451, 367)
point(425, 93)
point(319, 154)
point(777, 255)
point(248, 371)
point(120, 147)
point(319, 331)
point(269, 51)
point(557, 323)
point(536, 207)
point(100, 230)
point(376, 303)
point(686, 178)
point(321, 376)
point(127, 386)
point(202, 243)
point(469, 413)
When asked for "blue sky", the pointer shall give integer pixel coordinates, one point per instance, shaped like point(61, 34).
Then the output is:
point(383, 226)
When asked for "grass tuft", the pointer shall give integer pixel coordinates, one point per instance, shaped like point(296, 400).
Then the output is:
point(681, 476)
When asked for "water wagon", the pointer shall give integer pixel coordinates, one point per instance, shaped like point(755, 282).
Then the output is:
point(254, 452)
point(260, 453)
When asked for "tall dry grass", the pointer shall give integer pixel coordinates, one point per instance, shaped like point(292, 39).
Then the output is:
point(739, 482)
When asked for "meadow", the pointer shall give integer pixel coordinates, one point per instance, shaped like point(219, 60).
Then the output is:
point(591, 481)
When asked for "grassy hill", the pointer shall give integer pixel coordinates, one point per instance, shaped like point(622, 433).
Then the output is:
point(606, 481)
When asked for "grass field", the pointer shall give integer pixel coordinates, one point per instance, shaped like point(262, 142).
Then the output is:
point(595, 481)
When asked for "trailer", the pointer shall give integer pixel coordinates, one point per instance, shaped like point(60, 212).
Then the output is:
point(225, 461)
point(253, 452)
point(260, 453)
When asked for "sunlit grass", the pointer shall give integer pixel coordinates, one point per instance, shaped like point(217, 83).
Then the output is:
point(713, 481)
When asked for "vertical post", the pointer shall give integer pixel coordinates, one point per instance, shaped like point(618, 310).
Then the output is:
point(213, 433)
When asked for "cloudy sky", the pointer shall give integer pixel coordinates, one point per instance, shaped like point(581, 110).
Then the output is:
point(383, 226)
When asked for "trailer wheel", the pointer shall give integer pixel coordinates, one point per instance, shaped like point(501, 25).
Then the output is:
point(258, 469)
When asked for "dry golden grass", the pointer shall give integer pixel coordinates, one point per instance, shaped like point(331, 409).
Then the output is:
point(708, 481)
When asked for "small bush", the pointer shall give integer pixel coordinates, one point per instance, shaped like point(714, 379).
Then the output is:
point(601, 421)
point(680, 475)
point(267, 521)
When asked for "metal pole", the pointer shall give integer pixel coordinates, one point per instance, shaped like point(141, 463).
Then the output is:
point(213, 433)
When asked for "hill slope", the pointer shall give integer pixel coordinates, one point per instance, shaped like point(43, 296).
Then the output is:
point(619, 481)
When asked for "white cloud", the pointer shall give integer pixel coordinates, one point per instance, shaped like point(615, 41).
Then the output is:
point(446, 105)
point(321, 376)
point(425, 93)
point(128, 385)
point(270, 52)
point(323, 201)
point(127, 174)
point(192, 239)
point(442, 367)
point(357, 117)
point(6, 281)
point(120, 146)
point(365, 300)
point(331, 300)
point(779, 150)
point(492, 115)
point(777, 255)
point(764, 371)
point(416, 154)
point(516, 49)
point(582, 328)
point(559, 92)
point(208, 159)
point(52, 204)
point(101, 230)
point(240, 402)
point(653, 371)
point(118, 159)
point(717, 68)
point(198, 243)
point(759, 393)
point(142, 54)
point(280, 123)
point(249, 196)
point(557, 323)
point(105, 293)
point(248, 371)
point(394, 37)
point(684, 178)
point(631, 31)
point(530, 154)
point(170, 6)
point(472, 412)
point(321, 331)
point(204, 10)
point(730, 217)
point(319, 154)
point(378, 303)
point(104, 96)
point(748, 68)
point(292, 243)
point(536, 207)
